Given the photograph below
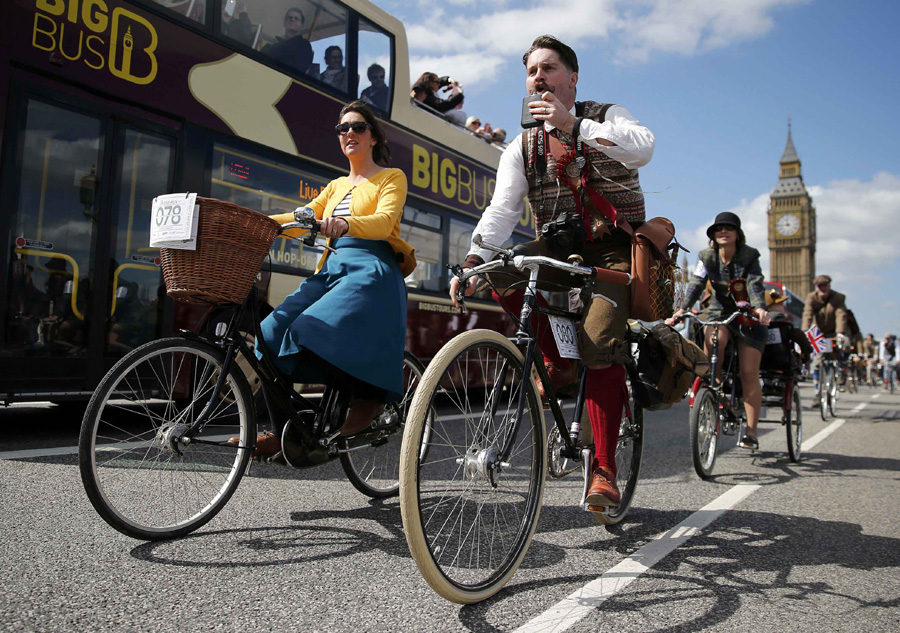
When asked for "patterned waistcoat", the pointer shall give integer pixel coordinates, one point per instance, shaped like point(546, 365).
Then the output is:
point(618, 184)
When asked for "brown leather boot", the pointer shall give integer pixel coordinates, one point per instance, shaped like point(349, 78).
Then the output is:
point(360, 415)
point(267, 444)
point(559, 378)
point(603, 491)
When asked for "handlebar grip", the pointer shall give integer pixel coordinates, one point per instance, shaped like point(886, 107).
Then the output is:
point(612, 276)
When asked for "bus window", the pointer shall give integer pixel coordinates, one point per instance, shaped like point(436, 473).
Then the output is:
point(297, 34)
point(374, 66)
point(423, 231)
point(270, 187)
point(194, 10)
point(54, 225)
point(137, 287)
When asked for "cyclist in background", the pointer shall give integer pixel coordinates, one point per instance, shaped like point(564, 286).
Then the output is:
point(887, 356)
point(828, 310)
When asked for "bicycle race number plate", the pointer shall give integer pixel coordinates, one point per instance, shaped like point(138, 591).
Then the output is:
point(564, 333)
point(173, 222)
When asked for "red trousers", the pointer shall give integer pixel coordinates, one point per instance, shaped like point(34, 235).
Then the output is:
point(605, 391)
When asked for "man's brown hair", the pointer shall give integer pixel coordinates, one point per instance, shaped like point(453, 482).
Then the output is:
point(566, 54)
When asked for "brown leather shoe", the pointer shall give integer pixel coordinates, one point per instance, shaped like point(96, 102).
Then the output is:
point(559, 378)
point(360, 415)
point(603, 491)
point(267, 444)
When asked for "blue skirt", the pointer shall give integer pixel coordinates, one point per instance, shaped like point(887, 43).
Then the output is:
point(352, 314)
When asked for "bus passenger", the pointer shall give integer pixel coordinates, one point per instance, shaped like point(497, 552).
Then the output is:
point(349, 318)
point(377, 94)
point(293, 49)
point(334, 74)
point(425, 90)
point(729, 257)
point(613, 146)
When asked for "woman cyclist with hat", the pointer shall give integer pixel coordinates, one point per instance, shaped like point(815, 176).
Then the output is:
point(729, 257)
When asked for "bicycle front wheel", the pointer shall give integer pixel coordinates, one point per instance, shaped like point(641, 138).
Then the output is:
point(832, 391)
point(470, 503)
point(373, 468)
point(629, 450)
point(824, 388)
point(793, 423)
point(142, 475)
point(704, 419)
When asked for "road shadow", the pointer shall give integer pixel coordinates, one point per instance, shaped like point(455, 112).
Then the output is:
point(743, 556)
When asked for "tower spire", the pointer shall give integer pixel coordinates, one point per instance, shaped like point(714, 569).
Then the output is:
point(790, 154)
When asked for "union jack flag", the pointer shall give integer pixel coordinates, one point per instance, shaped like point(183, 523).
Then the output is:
point(819, 343)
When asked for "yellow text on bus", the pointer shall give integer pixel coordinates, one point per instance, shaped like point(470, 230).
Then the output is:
point(116, 52)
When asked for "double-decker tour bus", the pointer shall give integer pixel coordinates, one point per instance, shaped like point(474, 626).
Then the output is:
point(793, 306)
point(106, 104)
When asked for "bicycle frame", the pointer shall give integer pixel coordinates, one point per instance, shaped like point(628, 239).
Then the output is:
point(524, 336)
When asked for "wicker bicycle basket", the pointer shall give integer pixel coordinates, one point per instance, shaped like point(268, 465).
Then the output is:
point(232, 243)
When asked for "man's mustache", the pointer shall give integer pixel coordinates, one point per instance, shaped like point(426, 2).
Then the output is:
point(542, 87)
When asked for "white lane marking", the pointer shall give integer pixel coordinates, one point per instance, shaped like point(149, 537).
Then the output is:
point(576, 606)
point(877, 395)
point(859, 407)
point(821, 435)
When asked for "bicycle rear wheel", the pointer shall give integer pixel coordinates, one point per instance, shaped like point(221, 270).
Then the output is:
point(824, 388)
point(470, 511)
point(704, 420)
point(140, 474)
point(793, 424)
point(373, 467)
point(629, 451)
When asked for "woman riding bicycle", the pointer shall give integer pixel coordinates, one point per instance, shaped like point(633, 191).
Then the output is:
point(349, 318)
point(728, 257)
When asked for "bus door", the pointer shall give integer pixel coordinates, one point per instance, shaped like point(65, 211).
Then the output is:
point(83, 287)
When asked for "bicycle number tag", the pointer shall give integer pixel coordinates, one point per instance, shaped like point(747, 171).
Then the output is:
point(564, 334)
point(774, 336)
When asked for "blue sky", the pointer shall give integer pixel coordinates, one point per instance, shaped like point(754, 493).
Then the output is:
point(716, 81)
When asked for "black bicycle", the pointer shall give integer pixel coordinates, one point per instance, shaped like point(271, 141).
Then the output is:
point(717, 406)
point(470, 503)
point(156, 452)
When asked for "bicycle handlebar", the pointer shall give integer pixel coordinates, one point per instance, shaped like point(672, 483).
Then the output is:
point(748, 312)
point(521, 262)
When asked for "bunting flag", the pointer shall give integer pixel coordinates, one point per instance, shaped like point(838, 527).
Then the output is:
point(820, 344)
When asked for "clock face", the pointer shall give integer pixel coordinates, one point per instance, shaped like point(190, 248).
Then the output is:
point(788, 224)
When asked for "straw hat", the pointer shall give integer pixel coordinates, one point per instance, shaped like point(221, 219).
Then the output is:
point(773, 297)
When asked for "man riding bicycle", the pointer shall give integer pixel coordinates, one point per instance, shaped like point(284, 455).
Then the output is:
point(827, 310)
point(887, 357)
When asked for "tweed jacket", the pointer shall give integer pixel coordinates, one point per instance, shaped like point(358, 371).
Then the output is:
point(829, 314)
point(744, 263)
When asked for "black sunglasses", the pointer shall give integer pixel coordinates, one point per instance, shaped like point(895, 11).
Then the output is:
point(728, 227)
point(357, 126)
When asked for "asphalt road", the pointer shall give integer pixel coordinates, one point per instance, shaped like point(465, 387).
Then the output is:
point(812, 546)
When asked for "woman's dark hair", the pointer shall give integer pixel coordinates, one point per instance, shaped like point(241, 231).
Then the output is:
point(381, 153)
point(425, 80)
point(566, 54)
point(738, 243)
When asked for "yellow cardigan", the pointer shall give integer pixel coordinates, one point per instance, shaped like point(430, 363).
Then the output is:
point(375, 211)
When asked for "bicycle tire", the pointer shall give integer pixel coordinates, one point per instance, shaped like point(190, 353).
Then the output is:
point(374, 469)
point(142, 403)
point(704, 422)
point(832, 391)
point(793, 425)
point(823, 392)
point(470, 425)
point(629, 450)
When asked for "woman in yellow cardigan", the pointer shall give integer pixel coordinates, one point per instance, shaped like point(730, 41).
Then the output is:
point(349, 318)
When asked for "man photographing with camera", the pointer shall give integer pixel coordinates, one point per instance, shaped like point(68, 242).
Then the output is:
point(577, 165)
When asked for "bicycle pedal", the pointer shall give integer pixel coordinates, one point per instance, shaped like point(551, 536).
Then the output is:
point(596, 508)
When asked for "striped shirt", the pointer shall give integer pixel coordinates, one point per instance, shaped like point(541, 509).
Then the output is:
point(343, 207)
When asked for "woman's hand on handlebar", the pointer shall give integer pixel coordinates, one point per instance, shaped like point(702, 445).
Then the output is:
point(675, 318)
point(763, 316)
point(333, 227)
point(454, 287)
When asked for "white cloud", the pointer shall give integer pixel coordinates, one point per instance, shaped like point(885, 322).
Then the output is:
point(467, 68)
point(636, 30)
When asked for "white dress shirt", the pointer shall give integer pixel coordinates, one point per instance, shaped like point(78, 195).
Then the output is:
point(633, 148)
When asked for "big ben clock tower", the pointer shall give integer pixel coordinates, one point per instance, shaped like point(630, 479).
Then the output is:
point(792, 227)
